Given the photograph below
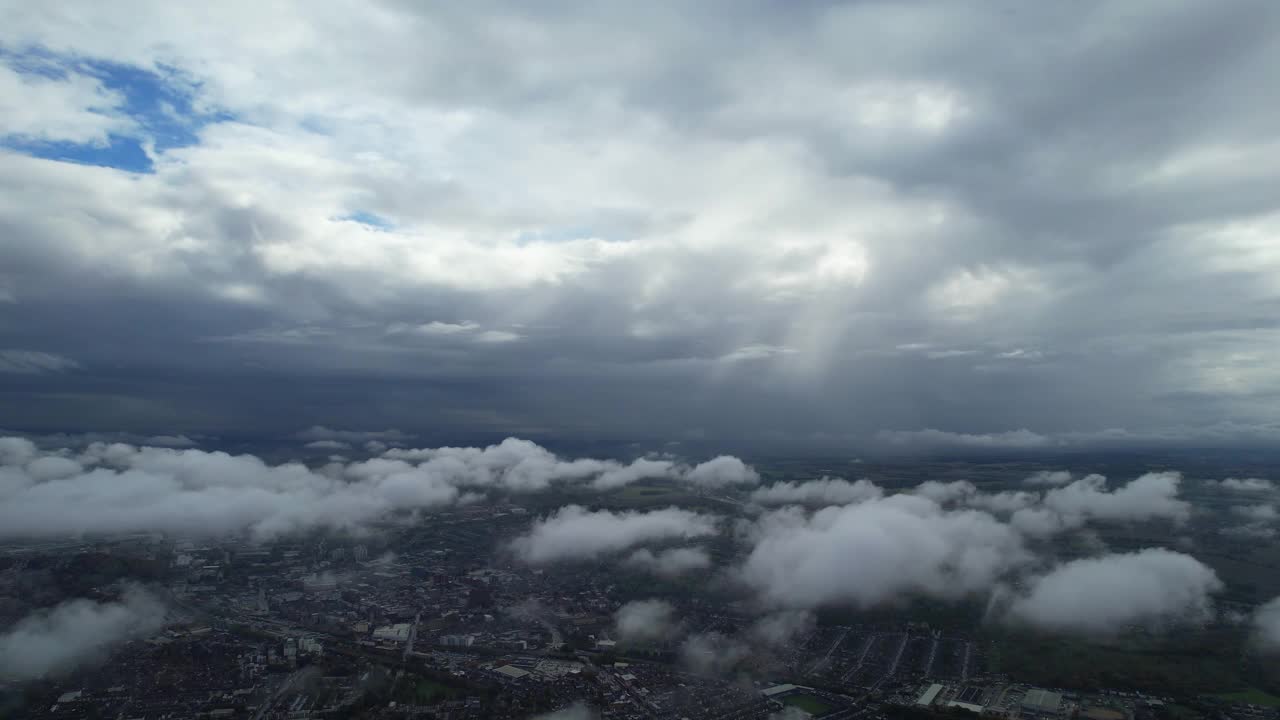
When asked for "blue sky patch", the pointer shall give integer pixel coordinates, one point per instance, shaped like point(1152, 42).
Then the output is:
point(161, 102)
point(370, 219)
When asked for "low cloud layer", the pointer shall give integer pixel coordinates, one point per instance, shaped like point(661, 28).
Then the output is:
point(670, 563)
point(644, 621)
point(1152, 588)
point(574, 533)
point(116, 487)
point(1051, 478)
point(75, 633)
point(1245, 485)
point(825, 491)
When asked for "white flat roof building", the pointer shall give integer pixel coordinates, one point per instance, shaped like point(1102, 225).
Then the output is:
point(928, 696)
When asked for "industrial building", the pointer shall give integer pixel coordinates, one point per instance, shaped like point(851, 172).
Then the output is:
point(1041, 703)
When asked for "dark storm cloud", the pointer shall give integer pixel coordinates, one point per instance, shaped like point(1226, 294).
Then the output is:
point(913, 228)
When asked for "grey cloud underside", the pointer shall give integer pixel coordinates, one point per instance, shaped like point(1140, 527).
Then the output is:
point(792, 225)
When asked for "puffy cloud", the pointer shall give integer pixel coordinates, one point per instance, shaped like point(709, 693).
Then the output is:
point(73, 108)
point(1053, 478)
point(1266, 626)
point(524, 466)
point(1150, 496)
point(825, 491)
point(117, 487)
point(878, 551)
point(1246, 485)
point(574, 533)
point(722, 471)
point(645, 621)
point(1153, 496)
point(327, 445)
point(1104, 595)
point(122, 488)
point(672, 562)
point(74, 633)
point(616, 477)
point(16, 450)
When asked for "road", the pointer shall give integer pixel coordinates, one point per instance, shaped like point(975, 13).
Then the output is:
point(825, 658)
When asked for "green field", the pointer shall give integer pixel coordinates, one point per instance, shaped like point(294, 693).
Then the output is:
point(1194, 663)
point(424, 692)
point(1253, 696)
point(808, 703)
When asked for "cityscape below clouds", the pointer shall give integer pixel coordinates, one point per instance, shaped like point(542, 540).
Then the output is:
point(765, 360)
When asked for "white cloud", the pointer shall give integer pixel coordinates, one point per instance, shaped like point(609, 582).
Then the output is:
point(74, 633)
point(1246, 485)
point(824, 491)
point(467, 330)
point(1153, 496)
point(573, 533)
point(671, 562)
point(1008, 501)
point(328, 445)
point(116, 487)
point(640, 469)
point(76, 108)
point(1150, 496)
point(877, 551)
point(1151, 588)
point(722, 471)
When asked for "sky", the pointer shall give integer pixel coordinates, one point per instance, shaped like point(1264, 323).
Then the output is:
point(790, 226)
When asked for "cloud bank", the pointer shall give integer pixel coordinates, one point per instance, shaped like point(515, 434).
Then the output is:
point(824, 491)
point(116, 487)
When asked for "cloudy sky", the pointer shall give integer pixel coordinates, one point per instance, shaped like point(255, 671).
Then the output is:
point(781, 224)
